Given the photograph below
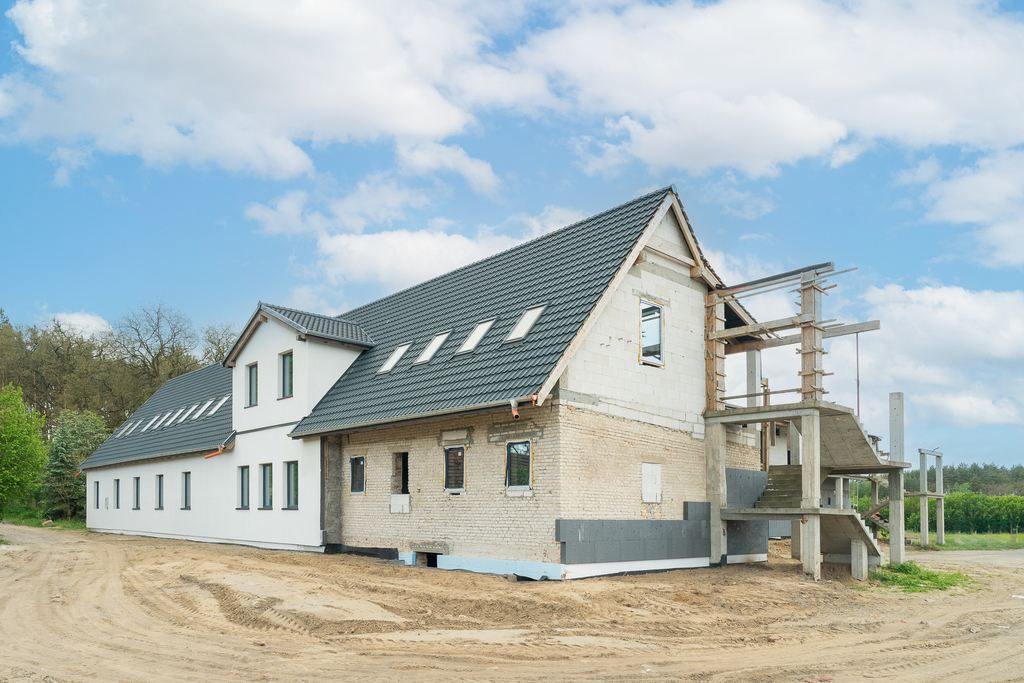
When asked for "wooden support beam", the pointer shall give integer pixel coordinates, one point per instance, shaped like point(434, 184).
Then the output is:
point(760, 328)
point(714, 356)
point(828, 333)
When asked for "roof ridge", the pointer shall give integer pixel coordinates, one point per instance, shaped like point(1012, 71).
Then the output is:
point(477, 263)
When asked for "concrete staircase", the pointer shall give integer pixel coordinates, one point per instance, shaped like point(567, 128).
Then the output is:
point(784, 488)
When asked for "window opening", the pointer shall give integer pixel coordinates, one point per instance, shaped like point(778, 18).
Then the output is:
point(286, 375)
point(117, 494)
point(252, 382)
point(358, 482)
point(159, 492)
point(200, 411)
point(455, 469)
point(267, 487)
point(96, 494)
point(291, 477)
point(651, 332)
point(393, 359)
point(525, 324)
point(217, 407)
point(650, 482)
point(186, 490)
point(432, 347)
point(475, 336)
point(518, 464)
point(136, 491)
point(243, 487)
point(400, 474)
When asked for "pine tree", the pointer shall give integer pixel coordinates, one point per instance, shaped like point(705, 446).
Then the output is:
point(75, 437)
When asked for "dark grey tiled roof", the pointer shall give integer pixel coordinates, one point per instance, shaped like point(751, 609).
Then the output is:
point(568, 270)
point(321, 325)
point(212, 382)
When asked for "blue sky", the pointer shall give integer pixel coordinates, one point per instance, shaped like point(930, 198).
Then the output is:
point(322, 154)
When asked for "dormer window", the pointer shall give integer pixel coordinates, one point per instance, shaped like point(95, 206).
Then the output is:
point(287, 383)
point(252, 380)
point(475, 336)
point(393, 359)
point(525, 324)
point(432, 348)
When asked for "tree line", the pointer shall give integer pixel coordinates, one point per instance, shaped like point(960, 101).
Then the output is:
point(64, 391)
point(989, 479)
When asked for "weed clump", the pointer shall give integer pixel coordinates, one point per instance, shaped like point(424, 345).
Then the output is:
point(911, 578)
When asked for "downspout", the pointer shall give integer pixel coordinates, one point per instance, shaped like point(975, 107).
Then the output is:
point(227, 445)
point(515, 404)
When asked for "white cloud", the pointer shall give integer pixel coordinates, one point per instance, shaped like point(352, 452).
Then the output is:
point(551, 218)
point(88, 324)
point(424, 157)
point(67, 160)
point(735, 201)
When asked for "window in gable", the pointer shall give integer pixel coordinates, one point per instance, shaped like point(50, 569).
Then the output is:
point(651, 332)
point(252, 378)
point(432, 348)
point(475, 336)
point(393, 359)
point(525, 323)
point(287, 375)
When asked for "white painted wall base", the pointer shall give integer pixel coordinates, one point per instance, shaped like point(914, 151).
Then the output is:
point(550, 571)
point(743, 559)
point(582, 571)
point(204, 539)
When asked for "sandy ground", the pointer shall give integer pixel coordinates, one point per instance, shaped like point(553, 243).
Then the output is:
point(76, 606)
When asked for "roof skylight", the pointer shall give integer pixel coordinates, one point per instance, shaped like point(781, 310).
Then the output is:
point(432, 348)
point(171, 421)
point(161, 420)
point(475, 336)
point(205, 406)
point(525, 323)
point(393, 359)
point(185, 416)
point(217, 407)
point(133, 428)
point(150, 423)
point(123, 430)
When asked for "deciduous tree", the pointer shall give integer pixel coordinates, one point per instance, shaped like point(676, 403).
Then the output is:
point(22, 452)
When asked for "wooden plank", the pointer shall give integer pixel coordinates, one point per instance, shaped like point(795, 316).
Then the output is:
point(758, 328)
point(838, 331)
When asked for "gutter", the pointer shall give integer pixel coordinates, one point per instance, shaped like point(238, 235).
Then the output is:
point(227, 444)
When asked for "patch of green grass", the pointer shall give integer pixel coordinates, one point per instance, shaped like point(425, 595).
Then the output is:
point(909, 577)
point(979, 542)
point(26, 516)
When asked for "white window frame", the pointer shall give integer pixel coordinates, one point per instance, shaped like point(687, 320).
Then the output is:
point(527, 487)
point(480, 331)
point(444, 469)
point(252, 394)
point(290, 353)
point(393, 359)
point(432, 348)
point(352, 481)
point(525, 323)
point(644, 303)
point(650, 482)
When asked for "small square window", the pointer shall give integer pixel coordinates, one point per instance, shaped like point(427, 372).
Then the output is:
point(358, 483)
point(287, 382)
point(291, 477)
point(243, 487)
point(186, 490)
point(252, 382)
point(651, 336)
point(518, 464)
point(267, 487)
point(455, 469)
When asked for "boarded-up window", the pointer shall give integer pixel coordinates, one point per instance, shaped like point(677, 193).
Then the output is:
point(455, 468)
point(650, 482)
point(517, 464)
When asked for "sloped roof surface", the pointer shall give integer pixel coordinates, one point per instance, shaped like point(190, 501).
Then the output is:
point(567, 270)
point(210, 383)
point(322, 325)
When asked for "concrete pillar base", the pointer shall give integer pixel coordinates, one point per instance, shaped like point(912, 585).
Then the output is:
point(859, 560)
point(810, 546)
point(795, 530)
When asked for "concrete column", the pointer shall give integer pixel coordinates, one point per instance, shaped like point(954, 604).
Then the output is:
point(810, 451)
point(896, 532)
point(839, 493)
point(924, 498)
point(940, 504)
point(859, 560)
point(874, 502)
point(795, 534)
point(754, 377)
point(794, 441)
point(897, 538)
point(714, 450)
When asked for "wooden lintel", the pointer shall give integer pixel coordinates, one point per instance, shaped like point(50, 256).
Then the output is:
point(838, 331)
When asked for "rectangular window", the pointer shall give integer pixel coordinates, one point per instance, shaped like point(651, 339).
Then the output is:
point(518, 464)
point(96, 495)
point(475, 336)
point(117, 494)
point(267, 487)
point(432, 348)
point(136, 493)
point(393, 359)
point(358, 465)
point(455, 469)
point(650, 482)
point(186, 490)
point(243, 487)
point(287, 382)
point(252, 381)
point(525, 324)
point(400, 474)
point(291, 480)
point(651, 314)
point(159, 492)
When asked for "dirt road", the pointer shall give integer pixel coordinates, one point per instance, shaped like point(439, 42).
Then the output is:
point(89, 607)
